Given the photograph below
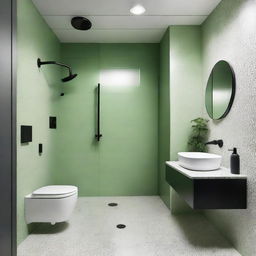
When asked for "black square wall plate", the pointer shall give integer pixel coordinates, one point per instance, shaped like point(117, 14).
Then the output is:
point(25, 133)
point(53, 122)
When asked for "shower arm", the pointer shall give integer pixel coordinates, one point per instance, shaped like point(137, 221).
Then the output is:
point(40, 63)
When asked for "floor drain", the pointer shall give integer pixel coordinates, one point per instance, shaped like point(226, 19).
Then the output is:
point(120, 226)
point(112, 204)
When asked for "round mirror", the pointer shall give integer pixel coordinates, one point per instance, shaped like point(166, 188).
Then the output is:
point(220, 90)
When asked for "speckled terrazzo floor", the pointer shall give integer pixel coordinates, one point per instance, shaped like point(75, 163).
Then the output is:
point(151, 231)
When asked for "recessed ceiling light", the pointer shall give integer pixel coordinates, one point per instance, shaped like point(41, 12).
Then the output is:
point(137, 9)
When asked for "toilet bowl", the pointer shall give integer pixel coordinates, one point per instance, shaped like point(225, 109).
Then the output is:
point(50, 204)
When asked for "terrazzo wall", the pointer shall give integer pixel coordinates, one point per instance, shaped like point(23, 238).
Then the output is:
point(230, 34)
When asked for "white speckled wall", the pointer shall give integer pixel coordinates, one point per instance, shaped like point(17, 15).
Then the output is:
point(230, 34)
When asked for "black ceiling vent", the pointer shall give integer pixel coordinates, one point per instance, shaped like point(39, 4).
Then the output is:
point(81, 23)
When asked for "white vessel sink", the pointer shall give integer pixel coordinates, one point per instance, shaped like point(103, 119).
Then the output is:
point(198, 161)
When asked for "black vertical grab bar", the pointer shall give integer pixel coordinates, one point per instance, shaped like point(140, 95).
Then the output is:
point(98, 135)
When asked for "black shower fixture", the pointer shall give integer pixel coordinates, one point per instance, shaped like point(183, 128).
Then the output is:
point(81, 23)
point(65, 79)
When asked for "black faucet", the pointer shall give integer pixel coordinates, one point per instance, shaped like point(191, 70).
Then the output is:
point(215, 142)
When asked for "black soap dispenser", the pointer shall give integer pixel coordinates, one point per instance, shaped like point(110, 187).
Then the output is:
point(234, 162)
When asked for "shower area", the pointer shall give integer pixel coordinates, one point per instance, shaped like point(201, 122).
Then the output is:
point(123, 162)
point(59, 82)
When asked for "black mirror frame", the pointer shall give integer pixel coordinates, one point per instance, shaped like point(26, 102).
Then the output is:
point(232, 93)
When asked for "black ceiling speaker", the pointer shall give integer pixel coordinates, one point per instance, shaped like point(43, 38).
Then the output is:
point(81, 23)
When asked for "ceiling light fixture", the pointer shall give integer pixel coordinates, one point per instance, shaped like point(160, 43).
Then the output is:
point(137, 9)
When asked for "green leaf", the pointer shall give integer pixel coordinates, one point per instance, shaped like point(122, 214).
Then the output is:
point(198, 136)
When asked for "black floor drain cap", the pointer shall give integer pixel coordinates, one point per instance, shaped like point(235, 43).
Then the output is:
point(112, 204)
point(120, 226)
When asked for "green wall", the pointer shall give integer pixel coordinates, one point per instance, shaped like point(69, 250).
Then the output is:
point(180, 98)
point(164, 117)
point(185, 84)
point(124, 162)
point(37, 93)
point(185, 93)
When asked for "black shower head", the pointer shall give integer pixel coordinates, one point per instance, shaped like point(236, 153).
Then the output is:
point(65, 79)
point(68, 78)
point(81, 23)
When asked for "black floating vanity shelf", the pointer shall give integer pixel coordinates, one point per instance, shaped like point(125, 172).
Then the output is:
point(208, 190)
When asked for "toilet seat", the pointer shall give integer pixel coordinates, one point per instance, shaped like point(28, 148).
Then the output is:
point(56, 191)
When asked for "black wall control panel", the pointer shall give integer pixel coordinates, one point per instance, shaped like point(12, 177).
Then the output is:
point(53, 122)
point(25, 133)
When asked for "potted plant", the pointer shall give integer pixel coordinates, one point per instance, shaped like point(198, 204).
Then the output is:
point(199, 135)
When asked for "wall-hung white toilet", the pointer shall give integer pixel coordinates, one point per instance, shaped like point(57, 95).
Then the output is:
point(50, 204)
